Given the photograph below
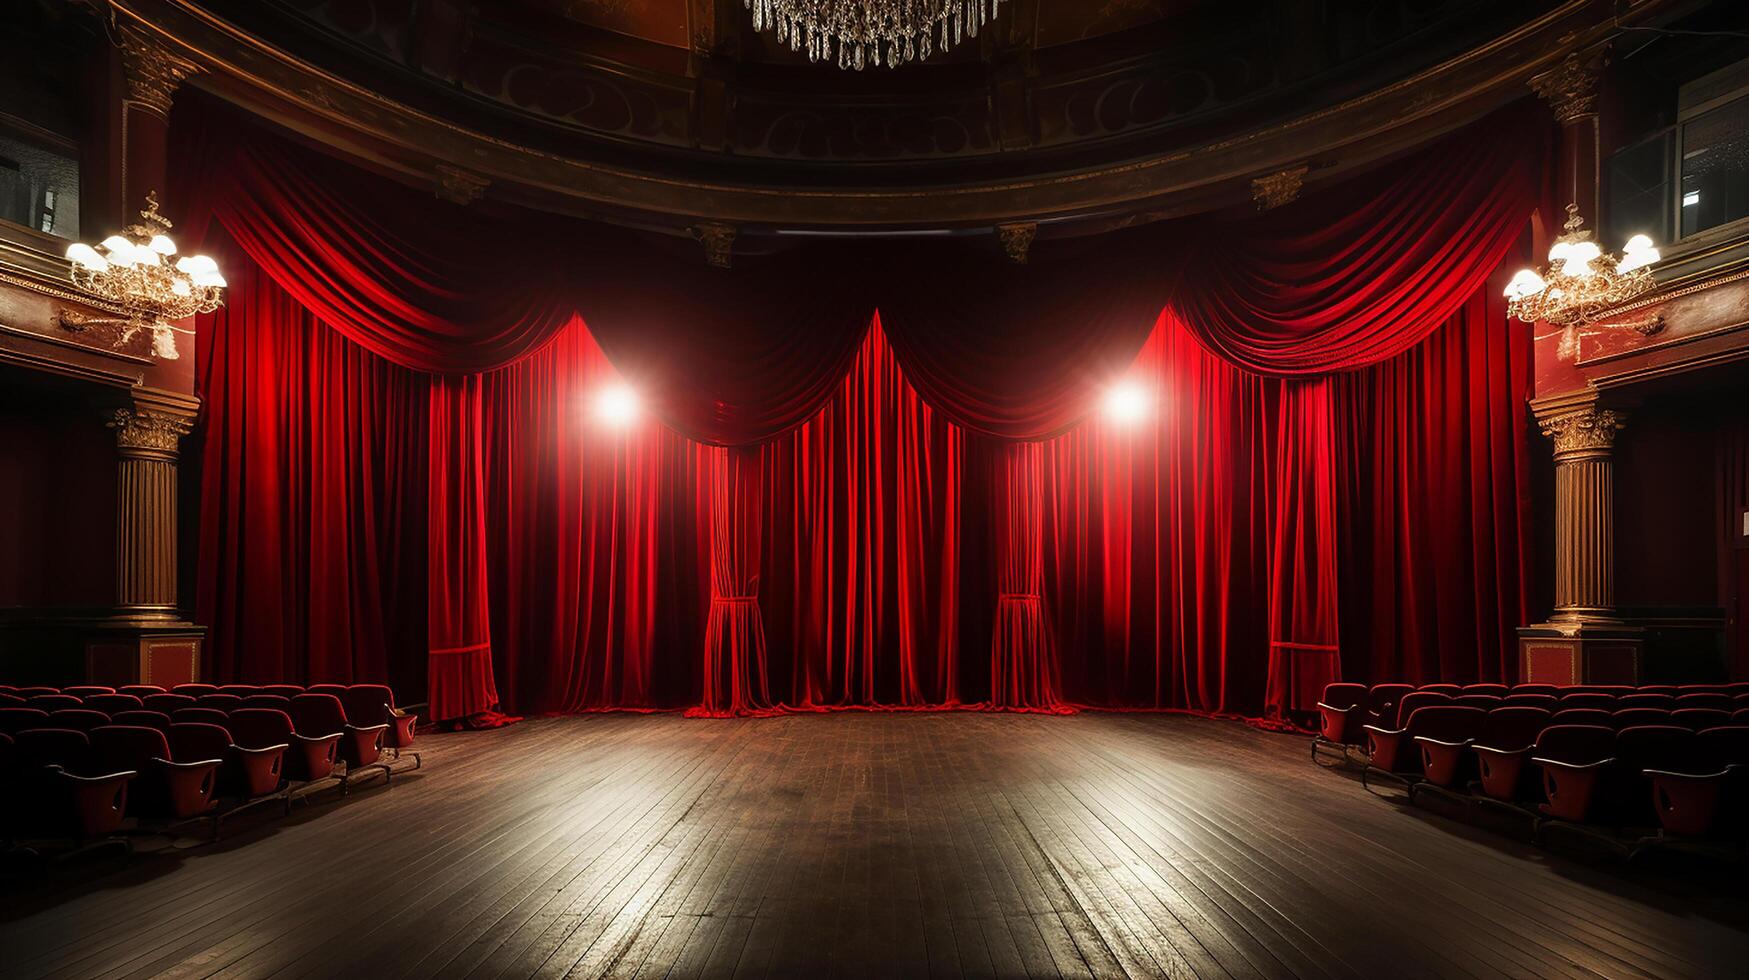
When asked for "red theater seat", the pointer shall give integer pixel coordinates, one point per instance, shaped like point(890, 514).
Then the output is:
point(1584, 716)
point(1441, 725)
point(1664, 702)
point(1535, 689)
point(201, 716)
point(240, 690)
point(1712, 701)
point(1504, 748)
point(223, 702)
point(1574, 760)
point(308, 759)
point(1705, 798)
point(1697, 719)
point(1390, 746)
point(1647, 747)
point(195, 690)
point(15, 720)
point(287, 691)
point(323, 714)
point(57, 790)
point(82, 719)
point(168, 703)
point(1547, 702)
point(149, 719)
point(11, 700)
point(140, 690)
point(165, 787)
point(1498, 690)
point(86, 690)
point(370, 704)
point(1630, 717)
point(1446, 761)
point(109, 704)
point(1449, 689)
point(54, 702)
point(247, 772)
point(31, 692)
point(1341, 713)
point(1588, 699)
point(1484, 701)
point(1382, 699)
point(274, 701)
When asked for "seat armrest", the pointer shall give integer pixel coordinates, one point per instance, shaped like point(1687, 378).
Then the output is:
point(98, 802)
point(1688, 776)
point(1379, 730)
point(370, 728)
point(1430, 740)
point(1491, 750)
point(189, 786)
point(1574, 766)
point(266, 750)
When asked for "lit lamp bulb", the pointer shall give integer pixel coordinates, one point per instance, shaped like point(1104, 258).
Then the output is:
point(1579, 257)
point(1638, 253)
point(162, 245)
point(1525, 283)
point(617, 405)
point(85, 256)
point(1126, 402)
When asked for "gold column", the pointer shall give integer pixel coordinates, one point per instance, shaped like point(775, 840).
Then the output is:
point(145, 572)
point(1584, 514)
point(153, 73)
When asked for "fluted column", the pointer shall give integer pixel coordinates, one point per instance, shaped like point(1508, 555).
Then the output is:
point(1584, 514)
point(145, 573)
point(153, 73)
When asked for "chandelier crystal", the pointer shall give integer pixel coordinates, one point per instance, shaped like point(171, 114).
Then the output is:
point(139, 272)
point(871, 32)
point(1582, 282)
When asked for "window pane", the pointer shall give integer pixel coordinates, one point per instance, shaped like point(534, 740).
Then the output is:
point(38, 188)
point(1715, 167)
point(1637, 185)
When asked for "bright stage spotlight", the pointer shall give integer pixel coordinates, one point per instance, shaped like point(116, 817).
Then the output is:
point(617, 405)
point(1127, 402)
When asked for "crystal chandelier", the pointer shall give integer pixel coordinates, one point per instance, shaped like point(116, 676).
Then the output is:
point(871, 32)
point(1582, 283)
point(134, 271)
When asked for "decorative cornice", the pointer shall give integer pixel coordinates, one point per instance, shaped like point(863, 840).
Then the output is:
point(1276, 189)
point(1570, 88)
point(718, 241)
point(1588, 432)
point(149, 433)
point(459, 186)
point(153, 73)
point(1017, 239)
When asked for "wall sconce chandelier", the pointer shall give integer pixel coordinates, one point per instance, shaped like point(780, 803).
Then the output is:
point(1582, 282)
point(137, 270)
point(871, 32)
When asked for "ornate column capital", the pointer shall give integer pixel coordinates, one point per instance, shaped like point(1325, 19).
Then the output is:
point(143, 433)
point(1586, 433)
point(153, 72)
point(1570, 88)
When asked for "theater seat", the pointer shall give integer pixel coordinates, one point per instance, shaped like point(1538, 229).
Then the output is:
point(1452, 690)
point(1697, 719)
point(1630, 717)
point(307, 759)
point(109, 704)
point(1710, 700)
point(1589, 699)
point(287, 691)
point(59, 791)
point(248, 773)
point(1484, 701)
point(167, 703)
point(223, 702)
point(140, 690)
point(1389, 746)
point(148, 719)
point(240, 690)
point(1705, 798)
point(274, 701)
point(15, 720)
point(1574, 760)
point(1584, 716)
point(1535, 689)
point(1445, 724)
point(165, 788)
point(369, 704)
point(1504, 751)
point(82, 719)
point(1664, 748)
point(322, 714)
point(1547, 702)
point(53, 702)
point(1498, 690)
point(195, 690)
point(1446, 762)
point(1663, 702)
point(1381, 703)
point(11, 700)
point(1341, 713)
point(201, 716)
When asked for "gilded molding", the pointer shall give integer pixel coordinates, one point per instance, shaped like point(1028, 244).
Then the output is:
point(141, 431)
point(718, 241)
point(153, 73)
point(1587, 432)
point(459, 186)
point(1570, 88)
point(1017, 240)
point(1279, 188)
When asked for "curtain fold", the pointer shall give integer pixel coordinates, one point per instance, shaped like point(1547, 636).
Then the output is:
point(1023, 666)
point(736, 681)
point(461, 681)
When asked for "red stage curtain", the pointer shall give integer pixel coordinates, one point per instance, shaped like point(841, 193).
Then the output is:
point(458, 631)
point(1360, 273)
point(311, 460)
point(1303, 647)
point(1023, 664)
point(736, 681)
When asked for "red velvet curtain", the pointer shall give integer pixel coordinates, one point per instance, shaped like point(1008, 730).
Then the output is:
point(312, 464)
point(866, 542)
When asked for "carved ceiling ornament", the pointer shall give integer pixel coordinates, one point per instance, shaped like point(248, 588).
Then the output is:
point(149, 431)
point(1588, 431)
point(1279, 188)
point(718, 241)
point(1570, 88)
point(1017, 240)
point(459, 186)
point(153, 72)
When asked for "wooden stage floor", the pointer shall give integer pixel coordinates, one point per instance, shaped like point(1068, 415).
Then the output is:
point(868, 845)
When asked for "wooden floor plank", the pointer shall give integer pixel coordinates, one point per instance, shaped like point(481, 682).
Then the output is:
point(868, 845)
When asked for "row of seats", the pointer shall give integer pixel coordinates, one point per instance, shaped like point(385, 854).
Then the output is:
point(1622, 757)
point(78, 763)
